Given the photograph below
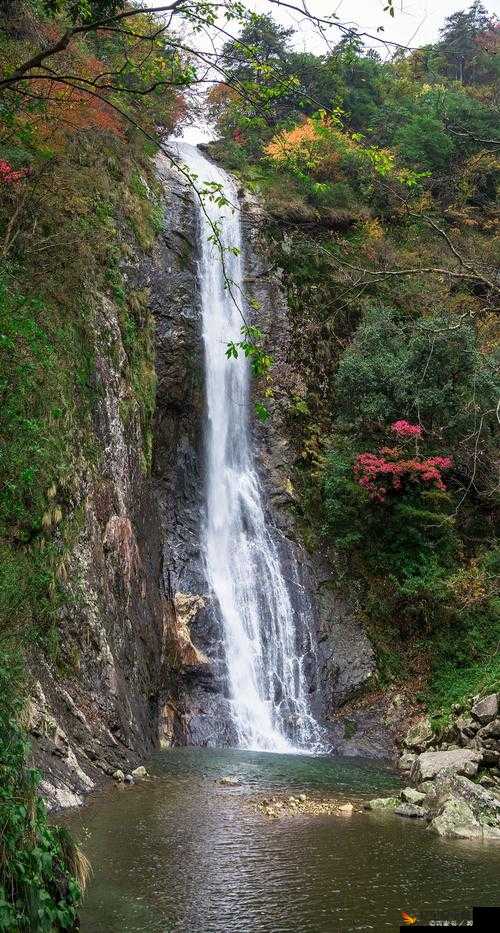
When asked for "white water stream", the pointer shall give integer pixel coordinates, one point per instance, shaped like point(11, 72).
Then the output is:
point(268, 688)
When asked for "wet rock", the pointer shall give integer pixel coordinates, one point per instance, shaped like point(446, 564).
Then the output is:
point(139, 772)
point(382, 803)
point(486, 709)
point(463, 809)
point(128, 779)
point(118, 776)
point(457, 760)
point(58, 797)
point(410, 795)
point(456, 820)
point(230, 781)
point(295, 806)
point(411, 810)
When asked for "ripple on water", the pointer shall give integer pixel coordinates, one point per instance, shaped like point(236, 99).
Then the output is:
point(183, 854)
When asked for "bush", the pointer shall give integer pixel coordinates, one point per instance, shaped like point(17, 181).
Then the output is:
point(39, 865)
point(408, 540)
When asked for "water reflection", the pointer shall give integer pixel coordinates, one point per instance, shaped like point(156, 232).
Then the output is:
point(184, 854)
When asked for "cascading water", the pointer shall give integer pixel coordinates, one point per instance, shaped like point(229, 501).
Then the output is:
point(268, 689)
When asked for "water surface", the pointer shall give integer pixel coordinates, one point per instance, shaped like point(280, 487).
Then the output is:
point(183, 853)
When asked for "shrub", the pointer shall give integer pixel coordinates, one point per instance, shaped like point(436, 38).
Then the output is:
point(39, 889)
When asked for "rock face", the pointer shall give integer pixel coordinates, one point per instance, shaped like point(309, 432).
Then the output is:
point(96, 710)
point(341, 664)
point(142, 658)
point(456, 760)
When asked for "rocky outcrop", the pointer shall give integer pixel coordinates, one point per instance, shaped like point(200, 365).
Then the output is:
point(472, 735)
point(94, 708)
point(453, 806)
point(458, 808)
point(342, 663)
point(194, 704)
point(441, 763)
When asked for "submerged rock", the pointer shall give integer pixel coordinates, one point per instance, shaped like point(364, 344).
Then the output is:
point(230, 781)
point(382, 803)
point(346, 809)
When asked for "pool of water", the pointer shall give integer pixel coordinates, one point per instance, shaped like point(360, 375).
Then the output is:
point(181, 853)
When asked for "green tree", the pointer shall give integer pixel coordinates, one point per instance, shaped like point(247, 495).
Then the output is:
point(460, 43)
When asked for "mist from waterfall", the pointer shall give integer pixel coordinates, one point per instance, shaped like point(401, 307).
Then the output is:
point(267, 683)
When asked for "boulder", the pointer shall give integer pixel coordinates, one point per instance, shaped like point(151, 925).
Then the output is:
point(486, 709)
point(406, 761)
point(128, 779)
point(411, 810)
point(461, 809)
point(426, 787)
point(382, 803)
point(410, 795)
point(139, 772)
point(420, 736)
point(489, 757)
point(456, 820)
point(491, 731)
point(119, 776)
point(486, 780)
point(456, 760)
point(466, 728)
point(230, 781)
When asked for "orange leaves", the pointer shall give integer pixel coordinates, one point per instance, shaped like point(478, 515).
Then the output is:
point(68, 109)
point(301, 142)
point(318, 145)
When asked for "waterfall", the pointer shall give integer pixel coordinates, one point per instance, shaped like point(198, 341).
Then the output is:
point(267, 684)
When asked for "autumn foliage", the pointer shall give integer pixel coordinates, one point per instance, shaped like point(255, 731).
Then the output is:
point(9, 176)
point(389, 471)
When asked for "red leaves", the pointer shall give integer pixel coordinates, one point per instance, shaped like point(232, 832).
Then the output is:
point(9, 176)
point(405, 429)
point(378, 475)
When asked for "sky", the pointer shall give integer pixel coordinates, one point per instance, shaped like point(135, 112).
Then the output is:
point(416, 22)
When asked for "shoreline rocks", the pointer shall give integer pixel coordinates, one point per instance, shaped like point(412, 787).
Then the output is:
point(443, 761)
point(429, 765)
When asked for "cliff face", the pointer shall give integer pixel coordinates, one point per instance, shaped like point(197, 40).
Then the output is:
point(143, 651)
point(96, 708)
point(358, 720)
